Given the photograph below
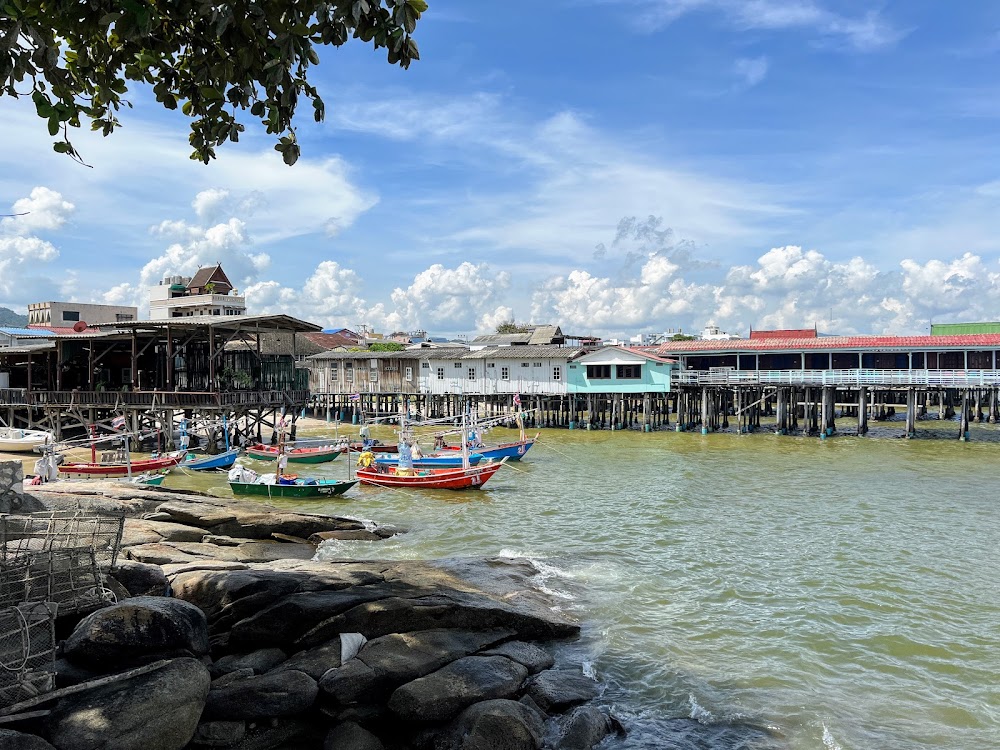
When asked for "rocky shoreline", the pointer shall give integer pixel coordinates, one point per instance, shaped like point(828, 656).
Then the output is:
point(226, 634)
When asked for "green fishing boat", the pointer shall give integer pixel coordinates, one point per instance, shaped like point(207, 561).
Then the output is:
point(300, 488)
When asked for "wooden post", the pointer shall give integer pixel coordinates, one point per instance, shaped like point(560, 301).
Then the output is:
point(911, 413)
point(862, 410)
point(170, 360)
point(963, 434)
point(211, 358)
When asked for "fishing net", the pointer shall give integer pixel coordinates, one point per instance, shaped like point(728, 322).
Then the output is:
point(27, 651)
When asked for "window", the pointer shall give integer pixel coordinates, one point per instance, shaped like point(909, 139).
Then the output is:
point(71, 315)
point(334, 374)
point(425, 365)
point(491, 364)
point(372, 376)
point(598, 372)
point(537, 364)
point(408, 373)
point(472, 373)
point(458, 365)
point(556, 372)
point(349, 372)
point(440, 373)
point(628, 372)
point(373, 364)
point(525, 364)
point(122, 317)
point(505, 373)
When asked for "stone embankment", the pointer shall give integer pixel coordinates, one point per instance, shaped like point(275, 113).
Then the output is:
point(226, 634)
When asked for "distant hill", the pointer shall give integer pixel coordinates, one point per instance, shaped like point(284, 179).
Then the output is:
point(11, 319)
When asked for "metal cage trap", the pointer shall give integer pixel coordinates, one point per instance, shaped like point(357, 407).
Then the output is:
point(58, 556)
point(27, 651)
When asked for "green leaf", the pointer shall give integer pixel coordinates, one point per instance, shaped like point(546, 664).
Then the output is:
point(418, 5)
point(60, 147)
point(53, 125)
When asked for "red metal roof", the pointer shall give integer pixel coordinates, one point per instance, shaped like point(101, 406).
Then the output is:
point(649, 355)
point(63, 330)
point(329, 341)
point(788, 333)
point(834, 343)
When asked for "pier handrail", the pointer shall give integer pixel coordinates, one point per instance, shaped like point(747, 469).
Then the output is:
point(840, 378)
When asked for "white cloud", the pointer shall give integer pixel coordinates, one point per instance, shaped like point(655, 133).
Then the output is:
point(208, 202)
point(864, 33)
point(23, 254)
point(750, 70)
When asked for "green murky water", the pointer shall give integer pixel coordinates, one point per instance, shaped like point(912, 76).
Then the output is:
point(842, 593)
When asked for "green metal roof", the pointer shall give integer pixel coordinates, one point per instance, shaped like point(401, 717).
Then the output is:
point(958, 329)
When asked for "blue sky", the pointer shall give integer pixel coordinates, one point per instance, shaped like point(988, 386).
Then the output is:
point(612, 166)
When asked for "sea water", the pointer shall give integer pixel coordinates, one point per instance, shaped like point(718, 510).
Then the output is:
point(765, 590)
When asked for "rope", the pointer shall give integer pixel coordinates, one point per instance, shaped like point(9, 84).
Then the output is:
point(564, 455)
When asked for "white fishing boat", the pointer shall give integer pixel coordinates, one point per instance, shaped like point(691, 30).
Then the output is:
point(14, 440)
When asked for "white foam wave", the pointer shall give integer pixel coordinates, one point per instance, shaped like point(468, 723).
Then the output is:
point(545, 573)
point(590, 670)
point(828, 742)
point(698, 712)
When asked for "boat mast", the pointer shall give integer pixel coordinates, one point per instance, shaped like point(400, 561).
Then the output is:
point(465, 444)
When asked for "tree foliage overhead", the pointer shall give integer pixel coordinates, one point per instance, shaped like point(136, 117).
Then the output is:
point(510, 326)
point(209, 58)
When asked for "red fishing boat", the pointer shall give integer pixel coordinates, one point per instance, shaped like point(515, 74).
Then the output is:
point(118, 468)
point(472, 477)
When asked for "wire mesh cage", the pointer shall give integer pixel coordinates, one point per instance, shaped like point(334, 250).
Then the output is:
point(58, 557)
point(27, 651)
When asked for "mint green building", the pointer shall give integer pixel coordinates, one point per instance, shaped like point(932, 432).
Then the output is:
point(618, 369)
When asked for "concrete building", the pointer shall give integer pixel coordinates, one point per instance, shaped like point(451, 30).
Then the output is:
point(68, 314)
point(208, 292)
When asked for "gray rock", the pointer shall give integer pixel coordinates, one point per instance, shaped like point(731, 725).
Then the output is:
point(260, 661)
point(154, 710)
point(315, 662)
point(351, 736)
point(135, 629)
point(388, 530)
point(493, 725)
point(385, 663)
point(219, 733)
point(172, 569)
point(355, 535)
point(583, 728)
point(530, 703)
point(446, 609)
point(557, 689)
point(291, 617)
point(11, 740)
point(68, 673)
point(231, 677)
point(158, 553)
point(173, 532)
point(141, 579)
point(443, 694)
point(532, 656)
point(270, 695)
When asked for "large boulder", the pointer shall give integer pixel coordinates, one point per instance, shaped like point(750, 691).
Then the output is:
point(493, 725)
point(11, 740)
point(219, 733)
point(137, 630)
point(532, 656)
point(141, 579)
point(446, 609)
point(270, 695)
point(385, 663)
point(583, 728)
point(154, 709)
point(263, 660)
point(315, 662)
point(443, 694)
point(555, 690)
point(349, 735)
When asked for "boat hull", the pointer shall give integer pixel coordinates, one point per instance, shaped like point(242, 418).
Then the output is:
point(118, 470)
point(322, 488)
point(440, 479)
point(203, 463)
point(511, 451)
point(296, 455)
point(431, 462)
point(23, 441)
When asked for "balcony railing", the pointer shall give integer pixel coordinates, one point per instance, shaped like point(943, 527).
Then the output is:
point(841, 378)
point(149, 399)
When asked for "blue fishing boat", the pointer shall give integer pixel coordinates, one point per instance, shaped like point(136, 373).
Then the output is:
point(203, 463)
point(430, 462)
point(512, 451)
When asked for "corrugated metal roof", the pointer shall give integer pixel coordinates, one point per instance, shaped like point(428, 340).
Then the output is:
point(538, 351)
point(23, 332)
point(365, 354)
point(833, 343)
point(27, 348)
point(787, 333)
point(638, 351)
point(221, 322)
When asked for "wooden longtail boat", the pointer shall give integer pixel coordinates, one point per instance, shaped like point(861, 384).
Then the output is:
point(514, 450)
point(118, 469)
point(442, 479)
point(301, 488)
point(203, 463)
point(433, 461)
point(14, 440)
point(317, 455)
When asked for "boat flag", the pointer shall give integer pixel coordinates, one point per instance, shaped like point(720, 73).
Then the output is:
point(118, 422)
point(517, 399)
point(355, 397)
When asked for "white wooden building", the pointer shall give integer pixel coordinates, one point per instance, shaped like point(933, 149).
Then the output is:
point(529, 370)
